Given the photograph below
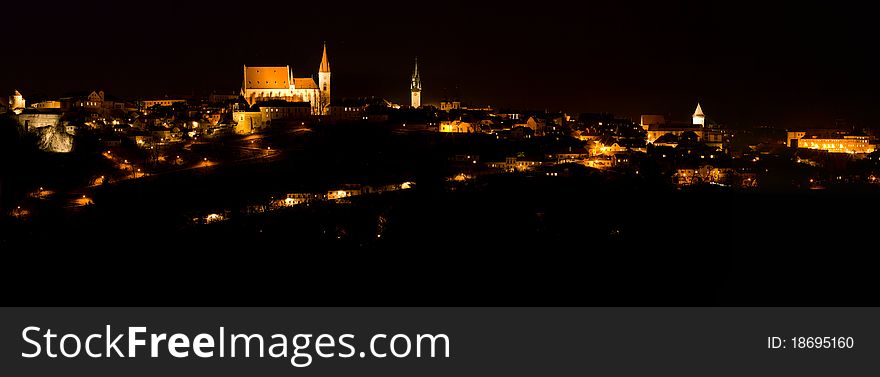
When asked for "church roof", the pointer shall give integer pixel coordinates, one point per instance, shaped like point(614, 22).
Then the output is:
point(267, 77)
point(666, 138)
point(699, 111)
point(325, 64)
point(304, 83)
point(17, 94)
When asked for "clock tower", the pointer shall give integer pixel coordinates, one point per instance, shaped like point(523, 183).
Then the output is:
point(415, 88)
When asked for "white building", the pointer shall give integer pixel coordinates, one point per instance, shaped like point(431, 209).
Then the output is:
point(698, 116)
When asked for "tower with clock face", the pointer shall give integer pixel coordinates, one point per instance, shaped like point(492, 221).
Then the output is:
point(416, 88)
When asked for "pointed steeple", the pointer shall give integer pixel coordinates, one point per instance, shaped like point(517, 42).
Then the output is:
point(416, 80)
point(699, 111)
point(325, 64)
point(698, 117)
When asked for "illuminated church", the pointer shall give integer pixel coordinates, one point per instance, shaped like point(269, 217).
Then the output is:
point(277, 83)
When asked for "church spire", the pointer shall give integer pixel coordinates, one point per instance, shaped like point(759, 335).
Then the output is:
point(325, 64)
point(699, 111)
point(699, 117)
point(415, 88)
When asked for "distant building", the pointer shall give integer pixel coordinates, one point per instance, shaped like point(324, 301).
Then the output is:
point(222, 97)
point(569, 155)
point(450, 105)
point(343, 192)
point(456, 126)
point(793, 137)
point(47, 105)
point(247, 122)
point(166, 102)
point(832, 141)
point(416, 88)
point(512, 164)
point(282, 110)
point(88, 101)
point(711, 136)
point(350, 109)
point(277, 83)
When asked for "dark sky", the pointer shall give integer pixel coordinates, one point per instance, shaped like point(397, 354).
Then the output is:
point(748, 63)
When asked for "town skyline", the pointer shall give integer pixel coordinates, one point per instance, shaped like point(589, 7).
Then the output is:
point(751, 65)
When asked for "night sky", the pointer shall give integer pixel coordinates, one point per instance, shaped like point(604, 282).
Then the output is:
point(749, 64)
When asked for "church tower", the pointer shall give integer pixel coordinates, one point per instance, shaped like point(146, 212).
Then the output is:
point(324, 82)
point(699, 118)
point(16, 102)
point(416, 88)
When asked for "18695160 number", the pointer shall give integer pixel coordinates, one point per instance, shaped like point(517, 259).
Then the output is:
point(822, 342)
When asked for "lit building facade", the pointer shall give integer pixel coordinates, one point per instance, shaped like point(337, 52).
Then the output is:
point(247, 122)
point(146, 104)
point(89, 101)
point(450, 105)
point(277, 83)
point(456, 126)
point(46, 105)
point(846, 144)
point(280, 110)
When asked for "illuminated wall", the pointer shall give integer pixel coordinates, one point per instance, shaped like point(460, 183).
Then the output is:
point(161, 102)
point(456, 126)
point(247, 122)
point(848, 144)
point(47, 105)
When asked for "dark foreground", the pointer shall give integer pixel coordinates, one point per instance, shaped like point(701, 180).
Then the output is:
point(511, 241)
point(591, 238)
